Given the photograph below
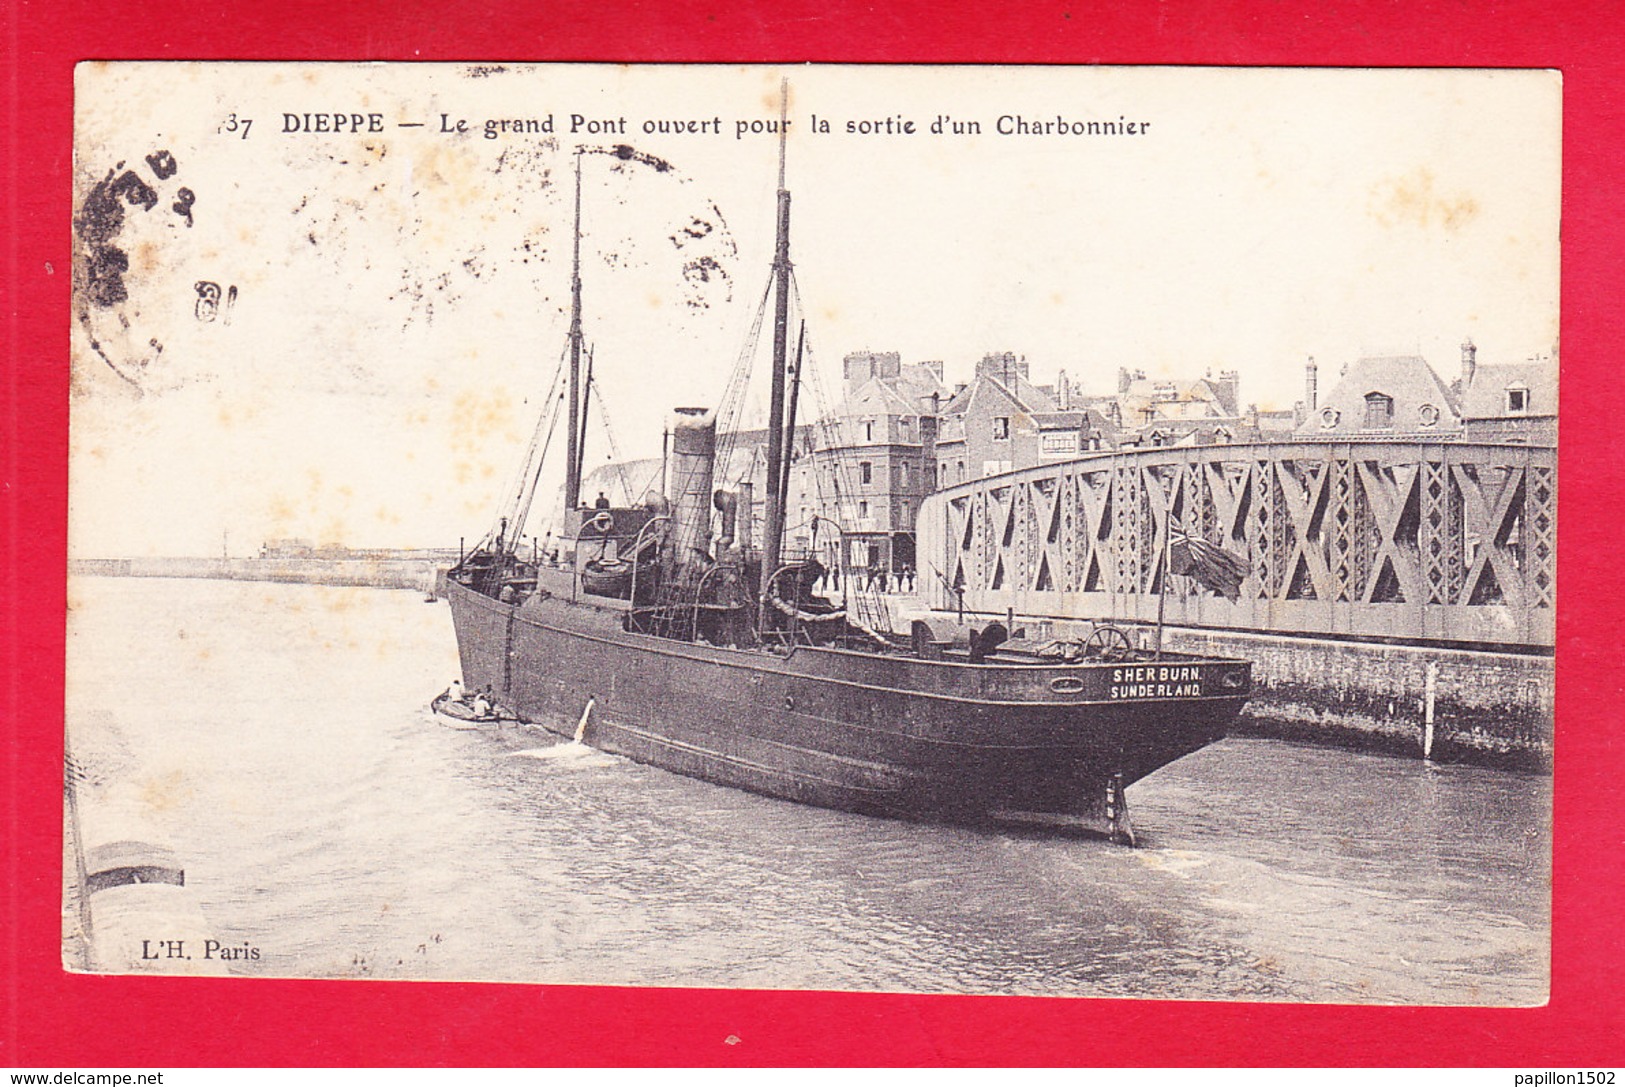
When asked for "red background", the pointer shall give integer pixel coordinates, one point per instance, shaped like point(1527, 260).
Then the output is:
point(48, 1017)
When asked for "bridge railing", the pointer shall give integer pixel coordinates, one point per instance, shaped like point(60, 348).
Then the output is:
point(1450, 542)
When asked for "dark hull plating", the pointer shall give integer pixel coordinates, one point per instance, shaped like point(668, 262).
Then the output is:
point(877, 734)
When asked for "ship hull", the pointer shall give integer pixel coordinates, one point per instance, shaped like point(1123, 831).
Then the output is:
point(875, 734)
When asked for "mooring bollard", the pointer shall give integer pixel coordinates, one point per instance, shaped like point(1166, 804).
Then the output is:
point(1429, 689)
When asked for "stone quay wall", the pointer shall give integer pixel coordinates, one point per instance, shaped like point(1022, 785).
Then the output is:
point(421, 575)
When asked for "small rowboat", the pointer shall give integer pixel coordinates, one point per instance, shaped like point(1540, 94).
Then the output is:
point(455, 713)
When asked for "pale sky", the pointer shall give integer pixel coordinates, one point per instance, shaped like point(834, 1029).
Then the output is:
point(402, 296)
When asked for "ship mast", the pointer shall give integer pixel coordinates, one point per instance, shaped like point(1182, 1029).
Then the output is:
point(776, 450)
point(572, 467)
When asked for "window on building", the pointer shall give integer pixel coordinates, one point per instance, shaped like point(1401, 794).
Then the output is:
point(903, 512)
point(903, 471)
point(1428, 415)
point(863, 509)
point(1379, 411)
point(961, 471)
point(942, 474)
point(1517, 399)
point(1001, 428)
point(866, 472)
point(868, 430)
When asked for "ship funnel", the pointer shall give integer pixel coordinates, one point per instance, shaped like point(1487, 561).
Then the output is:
point(693, 452)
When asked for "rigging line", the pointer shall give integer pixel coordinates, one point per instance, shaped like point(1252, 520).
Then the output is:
point(552, 424)
point(651, 484)
point(842, 454)
point(534, 449)
point(544, 440)
point(581, 426)
point(515, 490)
point(831, 453)
point(517, 486)
point(614, 446)
point(739, 380)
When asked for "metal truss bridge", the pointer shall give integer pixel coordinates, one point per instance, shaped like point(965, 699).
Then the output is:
point(1395, 541)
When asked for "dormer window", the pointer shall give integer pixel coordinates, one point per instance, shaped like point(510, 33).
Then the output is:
point(1428, 415)
point(1001, 428)
point(1517, 399)
point(1379, 411)
point(1329, 418)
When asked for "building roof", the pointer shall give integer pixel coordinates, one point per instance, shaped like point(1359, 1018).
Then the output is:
point(1417, 393)
point(1021, 394)
point(1486, 396)
point(1141, 401)
point(900, 395)
point(1058, 420)
point(917, 381)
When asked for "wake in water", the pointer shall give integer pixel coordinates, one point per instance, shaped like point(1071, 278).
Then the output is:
point(572, 753)
point(1355, 937)
point(576, 752)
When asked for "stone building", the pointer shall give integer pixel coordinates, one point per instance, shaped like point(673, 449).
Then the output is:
point(1177, 411)
point(1376, 399)
point(1512, 402)
point(1001, 421)
point(870, 463)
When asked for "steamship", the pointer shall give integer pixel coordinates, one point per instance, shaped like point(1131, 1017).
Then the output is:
point(669, 633)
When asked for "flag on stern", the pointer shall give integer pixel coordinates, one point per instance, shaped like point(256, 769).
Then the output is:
point(1209, 564)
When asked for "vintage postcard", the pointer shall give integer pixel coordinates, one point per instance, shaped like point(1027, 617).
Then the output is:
point(1050, 531)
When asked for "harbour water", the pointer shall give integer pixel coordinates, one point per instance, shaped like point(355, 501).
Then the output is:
point(278, 738)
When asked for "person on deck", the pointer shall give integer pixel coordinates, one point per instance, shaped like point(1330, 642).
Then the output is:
point(601, 502)
point(455, 691)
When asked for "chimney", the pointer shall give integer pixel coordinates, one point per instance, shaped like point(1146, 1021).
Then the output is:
point(1230, 382)
point(1311, 383)
point(928, 443)
point(1469, 362)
